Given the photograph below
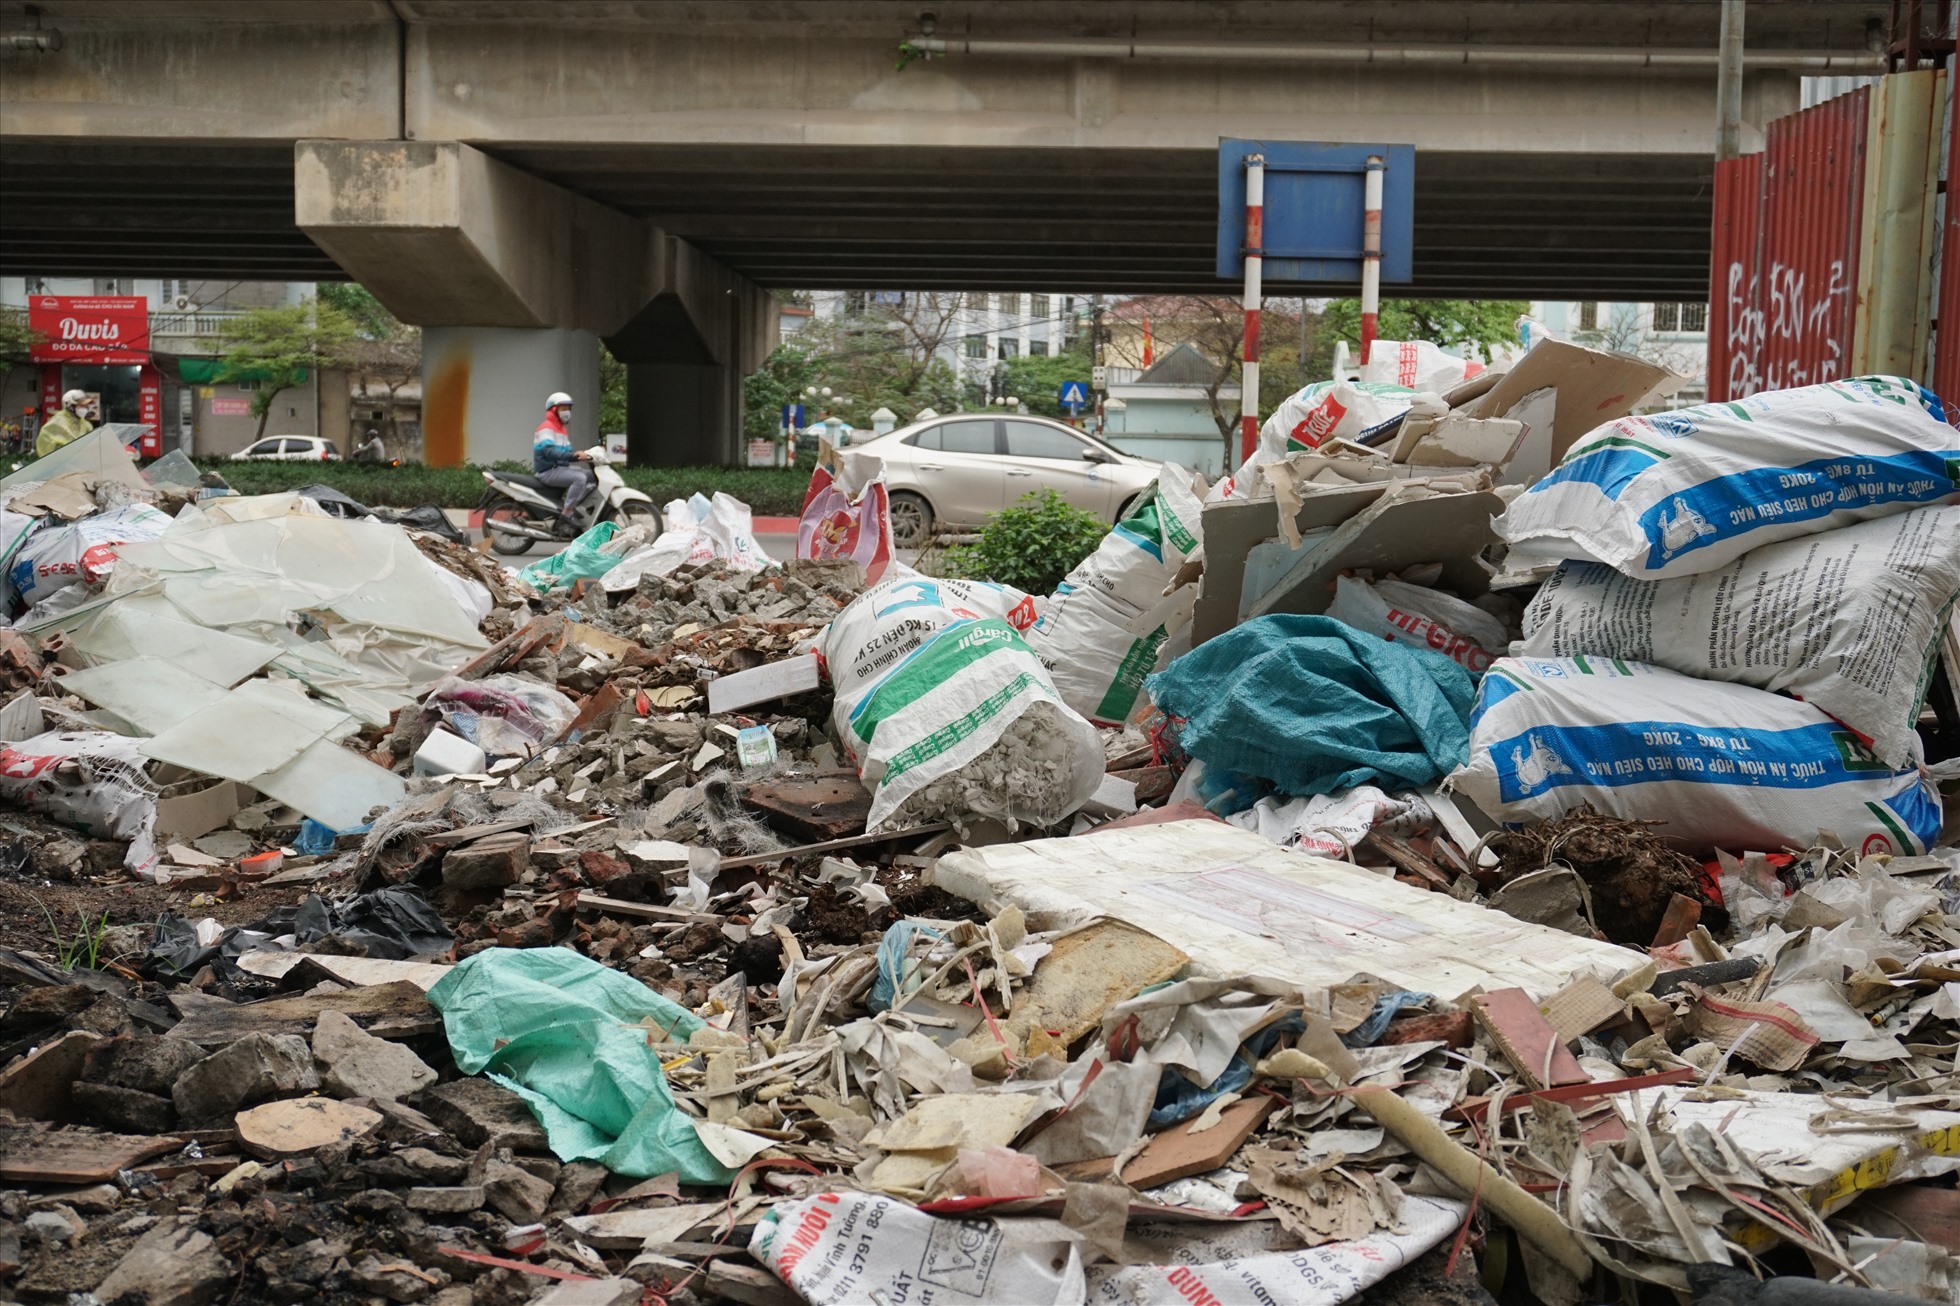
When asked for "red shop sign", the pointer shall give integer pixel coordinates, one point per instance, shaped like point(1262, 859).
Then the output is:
point(90, 328)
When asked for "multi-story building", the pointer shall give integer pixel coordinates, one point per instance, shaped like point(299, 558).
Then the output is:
point(1674, 335)
point(972, 331)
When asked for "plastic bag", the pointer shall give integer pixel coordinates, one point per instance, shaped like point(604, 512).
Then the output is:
point(394, 923)
point(580, 1043)
point(582, 559)
point(1427, 618)
point(695, 531)
point(1723, 766)
point(90, 779)
point(847, 512)
point(1679, 493)
point(1416, 365)
point(505, 716)
point(1849, 620)
point(58, 556)
point(1100, 633)
point(896, 976)
point(947, 712)
point(1315, 706)
point(1332, 410)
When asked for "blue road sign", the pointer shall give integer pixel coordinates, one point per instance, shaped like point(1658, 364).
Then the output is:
point(793, 416)
point(1313, 213)
point(1075, 395)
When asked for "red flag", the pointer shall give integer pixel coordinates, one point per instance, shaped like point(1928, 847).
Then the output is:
point(1149, 355)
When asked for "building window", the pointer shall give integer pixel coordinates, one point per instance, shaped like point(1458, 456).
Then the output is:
point(1694, 317)
point(1667, 317)
point(1589, 316)
point(248, 385)
point(110, 286)
point(1010, 348)
point(976, 346)
point(855, 302)
point(1042, 306)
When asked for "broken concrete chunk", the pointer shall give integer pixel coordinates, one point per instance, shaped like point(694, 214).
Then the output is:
point(37, 1087)
point(110, 1106)
point(57, 1225)
point(521, 1196)
point(146, 1062)
point(395, 1279)
point(491, 862)
point(172, 1265)
point(354, 1063)
point(256, 1067)
point(281, 1129)
point(478, 1111)
point(446, 1201)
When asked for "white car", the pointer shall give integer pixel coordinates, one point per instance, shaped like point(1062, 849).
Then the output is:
point(290, 449)
point(954, 472)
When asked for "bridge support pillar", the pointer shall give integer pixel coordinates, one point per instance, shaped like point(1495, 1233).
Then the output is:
point(483, 390)
point(516, 280)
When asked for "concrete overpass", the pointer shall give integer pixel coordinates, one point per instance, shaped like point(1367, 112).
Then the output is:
point(640, 170)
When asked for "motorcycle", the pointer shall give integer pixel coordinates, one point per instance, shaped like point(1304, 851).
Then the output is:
point(520, 510)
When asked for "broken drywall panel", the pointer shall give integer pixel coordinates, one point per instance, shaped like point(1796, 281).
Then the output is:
point(1594, 386)
point(1411, 525)
point(1239, 904)
point(1235, 527)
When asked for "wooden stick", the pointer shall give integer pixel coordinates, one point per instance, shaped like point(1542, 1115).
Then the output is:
point(1530, 1217)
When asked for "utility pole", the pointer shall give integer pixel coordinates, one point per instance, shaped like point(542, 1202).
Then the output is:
point(1097, 335)
point(1728, 85)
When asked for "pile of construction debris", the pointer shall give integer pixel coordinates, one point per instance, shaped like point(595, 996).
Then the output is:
point(1242, 922)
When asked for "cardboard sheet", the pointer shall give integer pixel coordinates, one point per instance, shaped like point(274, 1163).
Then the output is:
point(1241, 905)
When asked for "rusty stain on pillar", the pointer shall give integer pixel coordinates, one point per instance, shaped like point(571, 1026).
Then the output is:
point(445, 410)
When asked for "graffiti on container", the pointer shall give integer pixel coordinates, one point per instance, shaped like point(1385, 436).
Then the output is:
point(1795, 341)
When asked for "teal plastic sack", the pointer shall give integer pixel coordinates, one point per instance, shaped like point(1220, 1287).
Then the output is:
point(1316, 706)
point(571, 1037)
point(577, 561)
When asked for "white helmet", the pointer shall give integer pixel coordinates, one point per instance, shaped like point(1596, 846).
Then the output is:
point(559, 399)
point(74, 397)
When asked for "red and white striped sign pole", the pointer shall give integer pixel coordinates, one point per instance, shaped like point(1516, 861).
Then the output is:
point(1371, 255)
point(1255, 239)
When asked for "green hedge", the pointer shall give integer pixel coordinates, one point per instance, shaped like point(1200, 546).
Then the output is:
point(769, 491)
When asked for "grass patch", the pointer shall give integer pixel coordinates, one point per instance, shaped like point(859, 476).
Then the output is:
point(769, 491)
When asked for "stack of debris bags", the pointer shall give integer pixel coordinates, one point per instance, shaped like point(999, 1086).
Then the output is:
point(1740, 638)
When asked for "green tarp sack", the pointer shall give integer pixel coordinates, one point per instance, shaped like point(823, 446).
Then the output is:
point(579, 1043)
point(1315, 706)
point(582, 559)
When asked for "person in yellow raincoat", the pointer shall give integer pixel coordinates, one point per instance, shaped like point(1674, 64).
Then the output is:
point(65, 426)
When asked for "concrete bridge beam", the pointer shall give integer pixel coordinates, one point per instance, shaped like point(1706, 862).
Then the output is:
point(516, 281)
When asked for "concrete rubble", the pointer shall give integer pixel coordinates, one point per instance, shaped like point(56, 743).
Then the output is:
point(723, 935)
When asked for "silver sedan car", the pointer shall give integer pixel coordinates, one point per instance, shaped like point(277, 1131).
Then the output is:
point(954, 472)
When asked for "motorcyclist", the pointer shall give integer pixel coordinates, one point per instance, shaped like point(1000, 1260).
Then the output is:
point(553, 460)
point(371, 450)
point(65, 426)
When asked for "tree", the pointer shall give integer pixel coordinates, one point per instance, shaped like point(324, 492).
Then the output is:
point(884, 356)
point(368, 315)
point(780, 380)
point(1037, 380)
point(17, 341)
point(1485, 323)
point(386, 353)
point(276, 347)
point(612, 392)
